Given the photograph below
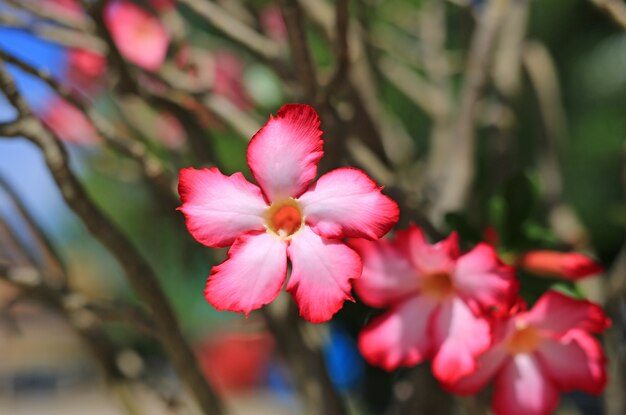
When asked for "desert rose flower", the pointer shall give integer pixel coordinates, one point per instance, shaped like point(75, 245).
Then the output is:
point(284, 217)
point(139, 36)
point(68, 123)
point(567, 265)
point(435, 299)
point(539, 353)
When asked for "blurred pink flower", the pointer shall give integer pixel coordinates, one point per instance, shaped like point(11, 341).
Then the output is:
point(85, 68)
point(170, 131)
point(273, 23)
point(68, 123)
point(285, 217)
point(539, 353)
point(228, 79)
point(567, 265)
point(140, 36)
point(437, 301)
point(234, 362)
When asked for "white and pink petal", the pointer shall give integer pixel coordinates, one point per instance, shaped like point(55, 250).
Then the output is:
point(522, 388)
point(426, 258)
point(251, 277)
point(284, 154)
point(219, 208)
point(575, 362)
point(459, 336)
point(488, 365)
point(388, 276)
point(321, 275)
point(558, 313)
point(346, 203)
point(400, 336)
point(481, 276)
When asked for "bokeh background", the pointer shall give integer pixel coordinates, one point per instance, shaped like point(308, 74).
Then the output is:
point(549, 172)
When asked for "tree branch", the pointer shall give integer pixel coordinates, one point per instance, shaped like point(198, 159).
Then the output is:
point(140, 274)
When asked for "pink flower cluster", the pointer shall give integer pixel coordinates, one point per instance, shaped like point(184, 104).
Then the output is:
point(461, 310)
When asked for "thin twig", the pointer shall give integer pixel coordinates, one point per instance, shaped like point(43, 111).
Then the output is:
point(140, 274)
point(616, 9)
point(53, 261)
point(453, 181)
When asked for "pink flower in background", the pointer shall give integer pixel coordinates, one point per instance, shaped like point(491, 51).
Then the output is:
point(436, 299)
point(140, 36)
point(84, 68)
point(539, 353)
point(170, 131)
point(273, 24)
point(228, 79)
point(567, 265)
point(284, 217)
point(234, 362)
point(68, 123)
point(68, 8)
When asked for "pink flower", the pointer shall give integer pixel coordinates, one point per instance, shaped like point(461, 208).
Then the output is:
point(568, 265)
point(284, 218)
point(436, 301)
point(170, 131)
point(538, 353)
point(273, 24)
point(84, 67)
point(68, 123)
point(140, 36)
point(228, 76)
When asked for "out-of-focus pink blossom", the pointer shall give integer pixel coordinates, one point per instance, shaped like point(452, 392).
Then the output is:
point(170, 131)
point(84, 68)
point(228, 79)
point(273, 24)
point(139, 36)
point(68, 123)
point(284, 217)
point(567, 265)
point(437, 301)
point(235, 362)
point(538, 354)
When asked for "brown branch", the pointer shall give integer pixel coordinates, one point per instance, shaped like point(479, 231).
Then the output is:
point(153, 170)
point(139, 273)
point(53, 261)
point(47, 13)
point(452, 182)
point(265, 49)
point(304, 358)
point(616, 9)
point(300, 50)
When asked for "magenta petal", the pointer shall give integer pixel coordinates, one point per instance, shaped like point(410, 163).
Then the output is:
point(522, 388)
point(219, 208)
point(487, 365)
point(460, 336)
point(427, 258)
point(399, 337)
point(346, 203)
point(251, 277)
point(321, 274)
point(575, 362)
point(558, 313)
point(480, 275)
point(139, 36)
point(388, 276)
point(283, 155)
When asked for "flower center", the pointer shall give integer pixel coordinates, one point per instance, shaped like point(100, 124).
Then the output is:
point(438, 285)
point(284, 217)
point(525, 339)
